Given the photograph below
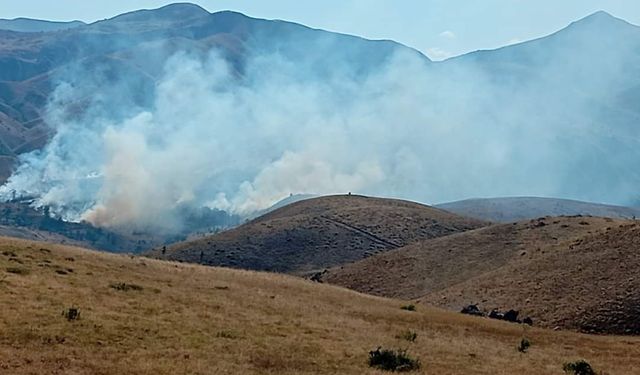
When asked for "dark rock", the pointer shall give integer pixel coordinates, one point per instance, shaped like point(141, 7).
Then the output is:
point(495, 314)
point(472, 310)
point(511, 316)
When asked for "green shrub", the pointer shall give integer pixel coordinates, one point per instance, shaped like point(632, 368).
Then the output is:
point(390, 360)
point(410, 307)
point(580, 367)
point(408, 335)
point(125, 287)
point(524, 345)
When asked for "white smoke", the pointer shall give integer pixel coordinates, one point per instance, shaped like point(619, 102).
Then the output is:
point(213, 139)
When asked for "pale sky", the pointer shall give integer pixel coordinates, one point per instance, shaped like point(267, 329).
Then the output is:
point(438, 28)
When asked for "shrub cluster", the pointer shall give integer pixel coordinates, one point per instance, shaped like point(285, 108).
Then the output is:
point(391, 360)
point(580, 367)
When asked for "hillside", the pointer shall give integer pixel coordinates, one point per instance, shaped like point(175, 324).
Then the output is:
point(547, 269)
point(28, 25)
point(317, 233)
point(141, 316)
point(507, 210)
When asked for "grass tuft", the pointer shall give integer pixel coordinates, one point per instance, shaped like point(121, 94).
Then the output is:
point(408, 335)
point(125, 287)
point(410, 307)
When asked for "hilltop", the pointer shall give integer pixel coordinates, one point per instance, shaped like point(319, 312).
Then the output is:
point(567, 272)
point(141, 316)
point(510, 209)
point(29, 25)
point(317, 233)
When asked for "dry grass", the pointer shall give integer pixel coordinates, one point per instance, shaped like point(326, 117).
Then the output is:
point(542, 267)
point(189, 319)
point(318, 233)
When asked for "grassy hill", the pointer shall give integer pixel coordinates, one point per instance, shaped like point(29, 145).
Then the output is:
point(321, 232)
point(510, 209)
point(144, 316)
point(568, 272)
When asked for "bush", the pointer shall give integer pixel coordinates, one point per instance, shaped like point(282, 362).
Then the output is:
point(390, 360)
point(580, 367)
point(72, 313)
point(125, 287)
point(411, 307)
point(524, 345)
point(407, 335)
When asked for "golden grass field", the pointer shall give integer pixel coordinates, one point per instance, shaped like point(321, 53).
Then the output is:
point(311, 235)
point(575, 273)
point(190, 319)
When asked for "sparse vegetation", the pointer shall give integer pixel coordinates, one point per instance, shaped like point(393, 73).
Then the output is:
point(227, 335)
point(125, 287)
point(410, 307)
point(193, 327)
point(391, 360)
point(18, 270)
point(524, 345)
point(408, 335)
point(580, 367)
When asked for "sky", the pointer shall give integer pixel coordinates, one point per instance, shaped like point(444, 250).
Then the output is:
point(438, 28)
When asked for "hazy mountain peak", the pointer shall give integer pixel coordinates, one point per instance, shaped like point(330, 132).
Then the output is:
point(600, 19)
point(176, 11)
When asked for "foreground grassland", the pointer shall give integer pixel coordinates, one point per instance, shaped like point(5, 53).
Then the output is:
point(143, 316)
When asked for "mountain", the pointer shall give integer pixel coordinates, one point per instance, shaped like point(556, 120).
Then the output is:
point(28, 25)
point(567, 272)
point(317, 233)
point(506, 210)
point(161, 317)
point(555, 116)
point(134, 48)
point(561, 110)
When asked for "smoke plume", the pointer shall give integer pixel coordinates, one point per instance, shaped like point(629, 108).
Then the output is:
point(211, 137)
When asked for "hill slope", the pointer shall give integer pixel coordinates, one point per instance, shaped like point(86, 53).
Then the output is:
point(507, 210)
point(141, 316)
point(29, 25)
point(549, 269)
point(320, 232)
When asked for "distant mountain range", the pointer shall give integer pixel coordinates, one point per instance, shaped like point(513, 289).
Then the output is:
point(136, 45)
point(571, 95)
point(510, 209)
point(28, 25)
